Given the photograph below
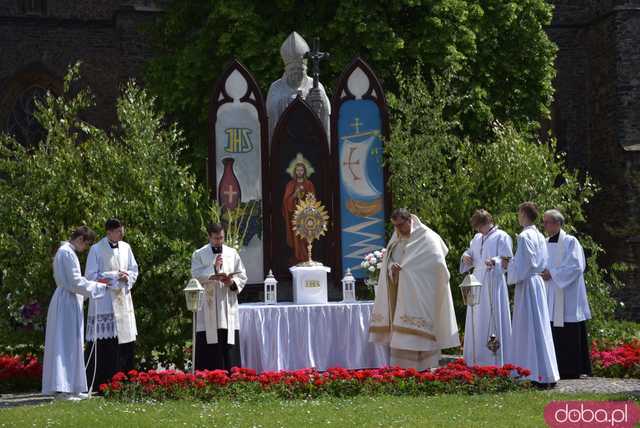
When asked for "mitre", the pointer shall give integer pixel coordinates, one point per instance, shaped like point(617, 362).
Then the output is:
point(293, 49)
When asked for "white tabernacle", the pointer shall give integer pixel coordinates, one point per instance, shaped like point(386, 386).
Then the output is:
point(310, 284)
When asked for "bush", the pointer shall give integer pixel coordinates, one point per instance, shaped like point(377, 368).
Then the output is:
point(609, 333)
point(83, 175)
point(443, 177)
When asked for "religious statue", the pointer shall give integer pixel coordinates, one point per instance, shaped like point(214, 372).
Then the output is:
point(295, 191)
point(294, 81)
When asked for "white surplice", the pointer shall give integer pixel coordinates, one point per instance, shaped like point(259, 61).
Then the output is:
point(63, 363)
point(114, 313)
point(532, 341)
point(566, 266)
point(492, 315)
point(220, 307)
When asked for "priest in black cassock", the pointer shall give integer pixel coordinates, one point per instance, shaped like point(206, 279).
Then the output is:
point(222, 274)
point(567, 298)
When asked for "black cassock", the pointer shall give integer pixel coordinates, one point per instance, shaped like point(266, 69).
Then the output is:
point(572, 349)
point(217, 356)
point(111, 357)
point(571, 345)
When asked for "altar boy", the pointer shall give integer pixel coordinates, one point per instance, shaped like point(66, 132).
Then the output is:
point(63, 366)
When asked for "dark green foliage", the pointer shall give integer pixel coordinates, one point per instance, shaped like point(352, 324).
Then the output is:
point(83, 175)
point(443, 178)
point(502, 58)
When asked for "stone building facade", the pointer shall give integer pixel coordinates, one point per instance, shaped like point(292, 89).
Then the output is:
point(595, 116)
point(40, 38)
point(596, 119)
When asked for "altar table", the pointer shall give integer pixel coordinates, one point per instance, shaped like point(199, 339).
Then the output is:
point(291, 336)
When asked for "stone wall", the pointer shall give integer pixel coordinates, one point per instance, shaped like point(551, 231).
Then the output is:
point(596, 118)
point(107, 36)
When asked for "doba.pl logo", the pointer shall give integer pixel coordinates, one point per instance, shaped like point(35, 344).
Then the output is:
point(592, 414)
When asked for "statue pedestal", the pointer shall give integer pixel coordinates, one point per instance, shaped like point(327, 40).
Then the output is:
point(310, 284)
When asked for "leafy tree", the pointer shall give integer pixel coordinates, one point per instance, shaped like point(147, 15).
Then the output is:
point(443, 177)
point(498, 49)
point(83, 175)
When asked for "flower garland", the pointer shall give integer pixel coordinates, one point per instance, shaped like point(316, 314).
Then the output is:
point(241, 383)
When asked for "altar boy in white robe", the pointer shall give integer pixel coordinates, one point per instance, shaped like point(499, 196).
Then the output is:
point(63, 365)
point(111, 321)
point(567, 298)
point(221, 272)
point(492, 316)
point(532, 342)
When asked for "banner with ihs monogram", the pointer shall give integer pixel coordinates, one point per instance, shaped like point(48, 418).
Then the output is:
point(237, 125)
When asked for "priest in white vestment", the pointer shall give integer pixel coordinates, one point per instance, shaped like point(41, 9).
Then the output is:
point(63, 366)
point(567, 298)
point(532, 342)
point(221, 272)
point(413, 311)
point(111, 322)
point(492, 316)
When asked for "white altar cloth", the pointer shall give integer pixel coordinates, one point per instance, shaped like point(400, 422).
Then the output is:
point(291, 336)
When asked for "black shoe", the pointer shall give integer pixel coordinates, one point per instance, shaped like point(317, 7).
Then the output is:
point(544, 386)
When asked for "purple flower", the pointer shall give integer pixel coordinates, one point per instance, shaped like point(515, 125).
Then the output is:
point(30, 311)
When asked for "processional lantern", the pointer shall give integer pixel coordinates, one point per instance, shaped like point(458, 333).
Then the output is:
point(270, 292)
point(193, 295)
point(348, 287)
point(470, 289)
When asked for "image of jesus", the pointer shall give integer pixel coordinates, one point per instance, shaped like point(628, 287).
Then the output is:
point(295, 191)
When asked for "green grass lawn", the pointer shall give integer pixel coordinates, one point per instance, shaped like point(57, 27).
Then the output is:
point(523, 409)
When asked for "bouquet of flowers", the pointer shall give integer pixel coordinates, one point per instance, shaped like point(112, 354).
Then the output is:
point(372, 263)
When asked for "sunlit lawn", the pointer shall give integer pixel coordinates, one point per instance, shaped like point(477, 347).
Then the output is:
point(523, 409)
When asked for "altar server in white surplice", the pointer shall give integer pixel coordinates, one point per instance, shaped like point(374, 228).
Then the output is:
point(413, 312)
point(223, 276)
point(567, 297)
point(63, 365)
point(492, 316)
point(111, 321)
point(532, 342)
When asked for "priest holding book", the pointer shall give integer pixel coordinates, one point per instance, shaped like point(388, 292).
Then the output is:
point(222, 274)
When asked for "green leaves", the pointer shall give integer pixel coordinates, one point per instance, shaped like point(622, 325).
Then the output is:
point(502, 58)
point(84, 175)
point(443, 177)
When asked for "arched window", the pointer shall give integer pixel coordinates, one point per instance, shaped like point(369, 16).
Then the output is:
point(21, 123)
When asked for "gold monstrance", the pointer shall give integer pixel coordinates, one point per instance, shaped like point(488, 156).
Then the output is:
point(310, 221)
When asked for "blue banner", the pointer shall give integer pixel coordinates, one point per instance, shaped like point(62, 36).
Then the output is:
point(360, 154)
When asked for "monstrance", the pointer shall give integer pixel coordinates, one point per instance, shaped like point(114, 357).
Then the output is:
point(310, 221)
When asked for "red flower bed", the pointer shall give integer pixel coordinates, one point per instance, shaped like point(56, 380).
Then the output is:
point(19, 373)
point(308, 383)
point(619, 361)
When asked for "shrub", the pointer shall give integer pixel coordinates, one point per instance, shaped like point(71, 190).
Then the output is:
point(80, 174)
